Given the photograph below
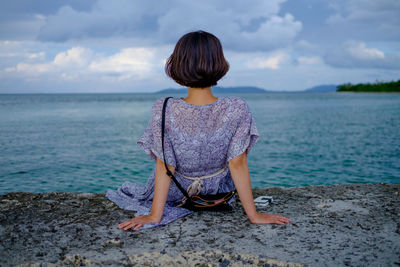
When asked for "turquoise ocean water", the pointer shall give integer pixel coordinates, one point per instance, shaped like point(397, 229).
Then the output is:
point(87, 142)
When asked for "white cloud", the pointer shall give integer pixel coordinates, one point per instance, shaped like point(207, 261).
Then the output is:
point(129, 61)
point(360, 51)
point(9, 49)
point(12, 52)
point(33, 69)
point(34, 56)
point(308, 60)
point(76, 57)
point(31, 56)
point(275, 44)
point(272, 62)
point(8, 43)
point(79, 62)
point(72, 60)
point(239, 25)
point(355, 54)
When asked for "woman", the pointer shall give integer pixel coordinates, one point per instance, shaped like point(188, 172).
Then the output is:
point(207, 141)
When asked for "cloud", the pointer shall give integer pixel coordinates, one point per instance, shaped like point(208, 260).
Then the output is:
point(73, 60)
point(76, 57)
point(22, 8)
point(102, 45)
point(360, 51)
point(307, 60)
point(35, 56)
point(367, 19)
point(276, 32)
point(21, 28)
point(272, 62)
point(305, 46)
point(80, 62)
point(14, 49)
point(127, 63)
point(239, 25)
point(354, 54)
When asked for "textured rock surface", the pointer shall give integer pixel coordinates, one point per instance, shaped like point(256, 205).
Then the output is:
point(355, 225)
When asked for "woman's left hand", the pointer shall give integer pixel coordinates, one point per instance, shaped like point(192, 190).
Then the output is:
point(137, 222)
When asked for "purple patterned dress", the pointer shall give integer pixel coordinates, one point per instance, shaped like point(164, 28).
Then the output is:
point(199, 141)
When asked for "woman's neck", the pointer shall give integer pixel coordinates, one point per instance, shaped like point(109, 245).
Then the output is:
point(200, 96)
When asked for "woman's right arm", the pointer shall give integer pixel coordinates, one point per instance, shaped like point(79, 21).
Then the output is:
point(161, 189)
point(241, 178)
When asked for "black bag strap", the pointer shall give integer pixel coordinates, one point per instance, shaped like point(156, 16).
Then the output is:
point(169, 173)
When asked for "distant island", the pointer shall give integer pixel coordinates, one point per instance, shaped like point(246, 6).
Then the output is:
point(252, 89)
point(378, 87)
point(322, 89)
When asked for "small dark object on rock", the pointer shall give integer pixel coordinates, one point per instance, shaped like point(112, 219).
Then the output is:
point(40, 254)
point(224, 263)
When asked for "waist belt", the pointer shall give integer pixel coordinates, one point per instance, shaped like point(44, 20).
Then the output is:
point(202, 177)
point(196, 187)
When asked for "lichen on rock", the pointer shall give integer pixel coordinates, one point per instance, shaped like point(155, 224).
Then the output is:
point(354, 224)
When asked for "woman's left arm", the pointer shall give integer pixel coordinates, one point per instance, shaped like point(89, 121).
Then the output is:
point(241, 178)
point(161, 189)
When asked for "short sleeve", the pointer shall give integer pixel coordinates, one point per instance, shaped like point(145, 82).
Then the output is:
point(246, 134)
point(150, 141)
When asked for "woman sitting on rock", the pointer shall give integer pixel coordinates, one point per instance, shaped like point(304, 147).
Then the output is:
point(207, 140)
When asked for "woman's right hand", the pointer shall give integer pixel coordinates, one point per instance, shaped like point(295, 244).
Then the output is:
point(137, 222)
point(265, 218)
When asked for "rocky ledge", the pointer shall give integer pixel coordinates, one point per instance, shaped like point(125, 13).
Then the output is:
point(339, 225)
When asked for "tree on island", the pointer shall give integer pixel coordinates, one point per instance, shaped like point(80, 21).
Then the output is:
point(377, 87)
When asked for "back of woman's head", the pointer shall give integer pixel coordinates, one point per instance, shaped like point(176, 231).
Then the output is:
point(197, 61)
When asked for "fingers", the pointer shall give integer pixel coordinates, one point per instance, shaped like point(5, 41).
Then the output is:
point(123, 224)
point(283, 219)
point(279, 219)
point(137, 226)
point(128, 226)
point(134, 223)
point(265, 218)
point(131, 225)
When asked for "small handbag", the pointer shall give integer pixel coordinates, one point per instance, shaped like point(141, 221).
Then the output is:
point(211, 202)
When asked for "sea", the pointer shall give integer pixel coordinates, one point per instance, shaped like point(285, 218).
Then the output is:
point(87, 142)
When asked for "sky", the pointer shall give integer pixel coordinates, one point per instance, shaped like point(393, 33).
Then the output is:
point(54, 46)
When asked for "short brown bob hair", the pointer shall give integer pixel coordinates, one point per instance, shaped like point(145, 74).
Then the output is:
point(197, 61)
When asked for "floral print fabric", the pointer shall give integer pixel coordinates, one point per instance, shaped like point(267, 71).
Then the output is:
point(199, 140)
